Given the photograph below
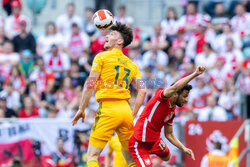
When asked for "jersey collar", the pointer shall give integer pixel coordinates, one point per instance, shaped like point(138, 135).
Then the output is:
point(116, 50)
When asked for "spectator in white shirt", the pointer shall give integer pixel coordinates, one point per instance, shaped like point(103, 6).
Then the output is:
point(156, 38)
point(65, 21)
point(198, 95)
point(172, 75)
point(233, 57)
point(57, 61)
point(50, 37)
point(12, 22)
point(76, 43)
point(191, 19)
point(241, 21)
point(155, 58)
point(199, 38)
point(219, 75)
point(226, 99)
point(122, 16)
point(43, 77)
point(8, 58)
point(65, 111)
point(207, 57)
point(220, 44)
point(88, 25)
point(12, 96)
point(170, 24)
point(220, 17)
point(212, 111)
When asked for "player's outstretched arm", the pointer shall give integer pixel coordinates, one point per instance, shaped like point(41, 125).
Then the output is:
point(141, 89)
point(169, 134)
point(86, 94)
point(168, 92)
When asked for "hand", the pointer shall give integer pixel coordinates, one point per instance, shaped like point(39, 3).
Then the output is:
point(189, 152)
point(199, 70)
point(79, 114)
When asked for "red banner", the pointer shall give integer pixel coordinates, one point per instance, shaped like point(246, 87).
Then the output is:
point(22, 148)
point(200, 137)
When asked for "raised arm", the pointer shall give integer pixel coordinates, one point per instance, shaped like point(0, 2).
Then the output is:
point(86, 94)
point(169, 134)
point(168, 92)
point(141, 89)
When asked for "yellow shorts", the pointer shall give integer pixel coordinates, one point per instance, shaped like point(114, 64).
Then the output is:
point(112, 116)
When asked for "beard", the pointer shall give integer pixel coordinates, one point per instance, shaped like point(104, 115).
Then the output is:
point(178, 102)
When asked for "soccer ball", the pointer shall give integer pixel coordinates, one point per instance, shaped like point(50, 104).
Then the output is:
point(103, 19)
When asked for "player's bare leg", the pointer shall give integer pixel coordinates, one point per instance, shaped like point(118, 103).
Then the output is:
point(128, 158)
point(126, 154)
point(167, 158)
point(93, 155)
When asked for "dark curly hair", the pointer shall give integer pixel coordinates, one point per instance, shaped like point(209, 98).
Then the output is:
point(125, 32)
point(186, 87)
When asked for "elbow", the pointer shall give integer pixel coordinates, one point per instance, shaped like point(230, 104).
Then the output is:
point(169, 136)
point(174, 88)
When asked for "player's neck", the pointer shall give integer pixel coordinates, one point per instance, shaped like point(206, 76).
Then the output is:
point(117, 47)
point(171, 103)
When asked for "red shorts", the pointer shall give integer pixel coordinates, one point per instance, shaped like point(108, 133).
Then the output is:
point(140, 151)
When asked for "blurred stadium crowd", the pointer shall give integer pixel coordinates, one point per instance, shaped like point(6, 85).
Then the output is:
point(43, 76)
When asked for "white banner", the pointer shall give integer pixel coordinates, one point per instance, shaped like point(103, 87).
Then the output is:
point(46, 131)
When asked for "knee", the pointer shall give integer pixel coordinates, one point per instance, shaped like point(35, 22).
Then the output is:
point(167, 158)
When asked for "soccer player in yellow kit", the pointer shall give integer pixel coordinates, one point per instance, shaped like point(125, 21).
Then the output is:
point(115, 147)
point(110, 75)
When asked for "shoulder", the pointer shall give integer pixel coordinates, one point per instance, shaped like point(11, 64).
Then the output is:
point(102, 54)
point(147, 54)
point(164, 23)
point(162, 53)
point(64, 55)
point(61, 17)
point(248, 15)
point(22, 16)
point(9, 18)
point(84, 35)
point(41, 38)
point(77, 18)
point(159, 94)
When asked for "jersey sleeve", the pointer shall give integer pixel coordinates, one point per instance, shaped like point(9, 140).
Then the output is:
point(159, 94)
point(138, 73)
point(170, 121)
point(97, 63)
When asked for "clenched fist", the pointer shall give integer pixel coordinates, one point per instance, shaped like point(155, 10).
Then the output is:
point(199, 70)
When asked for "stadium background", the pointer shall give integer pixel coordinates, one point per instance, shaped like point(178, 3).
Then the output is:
point(34, 141)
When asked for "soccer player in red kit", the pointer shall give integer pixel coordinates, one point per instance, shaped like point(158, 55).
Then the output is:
point(159, 112)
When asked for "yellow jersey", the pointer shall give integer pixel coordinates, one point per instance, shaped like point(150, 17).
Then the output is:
point(116, 73)
point(115, 146)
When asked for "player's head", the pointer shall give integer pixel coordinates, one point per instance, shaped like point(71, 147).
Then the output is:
point(181, 97)
point(120, 36)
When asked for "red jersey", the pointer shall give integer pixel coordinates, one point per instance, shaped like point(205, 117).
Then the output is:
point(154, 116)
point(23, 114)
